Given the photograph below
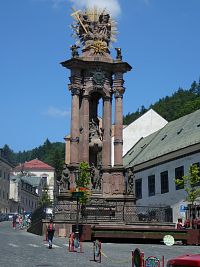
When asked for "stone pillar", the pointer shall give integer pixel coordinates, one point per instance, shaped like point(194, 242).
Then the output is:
point(67, 150)
point(118, 127)
point(107, 124)
point(74, 145)
point(84, 129)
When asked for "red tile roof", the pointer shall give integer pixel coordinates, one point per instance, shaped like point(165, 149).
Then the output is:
point(35, 165)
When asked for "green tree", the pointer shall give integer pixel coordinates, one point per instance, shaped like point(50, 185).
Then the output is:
point(45, 199)
point(84, 175)
point(83, 181)
point(180, 103)
point(190, 182)
point(8, 154)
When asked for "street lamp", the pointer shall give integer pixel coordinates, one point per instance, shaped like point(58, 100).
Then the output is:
point(76, 195)
point(80, 194)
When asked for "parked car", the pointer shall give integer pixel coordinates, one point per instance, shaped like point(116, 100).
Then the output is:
point(4, 217)
point(10, 216)
point(186, 260)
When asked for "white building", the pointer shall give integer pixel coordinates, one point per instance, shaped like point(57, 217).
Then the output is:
point(24, 193)
point(156, 160)
point(38, 168)
point(147, 124)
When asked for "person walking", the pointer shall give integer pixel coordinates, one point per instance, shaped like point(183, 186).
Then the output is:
point(50, 231)
point(14, 221)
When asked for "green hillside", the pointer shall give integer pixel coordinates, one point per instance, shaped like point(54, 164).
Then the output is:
point(181, 103)
point(50, 153)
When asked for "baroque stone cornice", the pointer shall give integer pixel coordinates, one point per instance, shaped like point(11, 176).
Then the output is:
point(118, 141)
point(75, 91)
point(76, 139)
point(107, 98)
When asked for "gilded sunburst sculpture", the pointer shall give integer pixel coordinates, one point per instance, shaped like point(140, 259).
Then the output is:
point(94, 29)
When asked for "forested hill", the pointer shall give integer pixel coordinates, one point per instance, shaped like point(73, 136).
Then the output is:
point(50, 153)
point(181, 103)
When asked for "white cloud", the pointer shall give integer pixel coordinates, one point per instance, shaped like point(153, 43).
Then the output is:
point(56, 112)
point(112, 6)
point(54, 3)
point(146, 2)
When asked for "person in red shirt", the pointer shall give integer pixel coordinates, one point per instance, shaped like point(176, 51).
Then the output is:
point(50, 231)
point(179, 224)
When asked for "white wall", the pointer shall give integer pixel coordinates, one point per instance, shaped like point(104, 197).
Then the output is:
point(147, 124)
point(174, 197)
point(50, 180)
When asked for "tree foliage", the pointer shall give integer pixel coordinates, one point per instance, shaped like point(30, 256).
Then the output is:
point(190, 183)
point(50, 153)
point(83, 181)
point(45, 199)
point(181, 103)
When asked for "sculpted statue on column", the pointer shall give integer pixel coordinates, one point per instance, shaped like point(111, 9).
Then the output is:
point(96, 177)
point(64, 183)
point(130, 182)
point(94, 29)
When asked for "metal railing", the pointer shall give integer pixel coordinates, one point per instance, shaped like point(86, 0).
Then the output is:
point(113, 212)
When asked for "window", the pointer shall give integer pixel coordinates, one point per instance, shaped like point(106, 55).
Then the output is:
point(179, 172)
point(164, 182)
point(151, 185)
point(164, 137)
point(180, 131)
point(0, 173)
point(138, 188)
point(44, 180)
point(198, 165)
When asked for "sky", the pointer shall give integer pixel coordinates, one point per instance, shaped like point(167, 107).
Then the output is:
point(159, 38)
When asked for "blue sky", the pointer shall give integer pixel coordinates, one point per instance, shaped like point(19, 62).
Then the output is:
point(159, 38)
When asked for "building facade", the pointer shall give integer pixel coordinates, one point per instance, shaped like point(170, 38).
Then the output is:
point(158, 159)
point(39, 169)
point(24, 193)
point(147, 124)
point(5, 168)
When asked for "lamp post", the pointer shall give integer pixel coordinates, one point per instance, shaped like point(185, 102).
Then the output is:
point(82, 182)
point(76, 195)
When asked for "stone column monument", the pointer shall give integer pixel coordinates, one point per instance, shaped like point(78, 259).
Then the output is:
point(96, 86)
